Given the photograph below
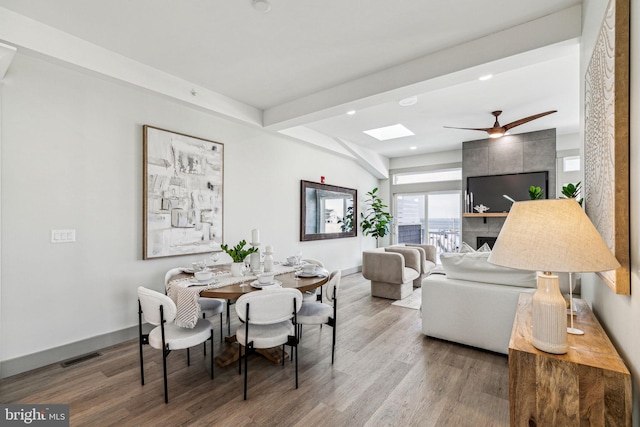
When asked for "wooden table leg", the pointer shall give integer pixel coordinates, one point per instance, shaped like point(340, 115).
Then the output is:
point(231, 354)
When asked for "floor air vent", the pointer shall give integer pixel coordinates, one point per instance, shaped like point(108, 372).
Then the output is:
point(80, 359)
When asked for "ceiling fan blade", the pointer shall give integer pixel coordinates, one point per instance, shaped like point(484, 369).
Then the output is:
point(527, 119)
point(482, 129)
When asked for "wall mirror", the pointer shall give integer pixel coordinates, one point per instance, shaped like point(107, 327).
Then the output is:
point(327, 211)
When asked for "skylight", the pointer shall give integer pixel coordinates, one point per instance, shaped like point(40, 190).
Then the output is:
point(389, 132)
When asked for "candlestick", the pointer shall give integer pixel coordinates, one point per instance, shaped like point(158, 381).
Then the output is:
point(255, 237)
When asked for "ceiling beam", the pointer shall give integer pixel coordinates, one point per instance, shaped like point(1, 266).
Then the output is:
point(425, 73)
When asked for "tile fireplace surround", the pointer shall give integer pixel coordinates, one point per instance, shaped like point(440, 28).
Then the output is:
point(526, 152)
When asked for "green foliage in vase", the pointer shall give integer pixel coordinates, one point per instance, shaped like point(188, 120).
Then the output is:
point(571, 191)
point(238, 253)
point(535, 193)
point(375, 220)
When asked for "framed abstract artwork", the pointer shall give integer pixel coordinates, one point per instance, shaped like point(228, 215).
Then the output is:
point(183, 194)
point(606, 145)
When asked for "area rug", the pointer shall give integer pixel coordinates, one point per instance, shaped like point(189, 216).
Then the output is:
point(413, 301)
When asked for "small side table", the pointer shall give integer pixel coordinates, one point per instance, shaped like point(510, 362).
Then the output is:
point(589, 385)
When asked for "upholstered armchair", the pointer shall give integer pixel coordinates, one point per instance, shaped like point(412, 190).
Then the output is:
point(392, 270)
point(427, 261)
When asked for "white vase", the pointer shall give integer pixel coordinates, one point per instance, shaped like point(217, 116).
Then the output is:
point(237, 269)
point(549, 316)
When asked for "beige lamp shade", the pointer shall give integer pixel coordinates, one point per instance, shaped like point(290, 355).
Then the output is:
point(551, 235)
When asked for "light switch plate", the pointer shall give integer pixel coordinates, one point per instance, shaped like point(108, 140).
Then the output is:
point(63, 236)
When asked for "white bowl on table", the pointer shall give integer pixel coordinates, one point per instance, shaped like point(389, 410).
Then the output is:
point(309, 268)
point(203, 275)
point(265, 278)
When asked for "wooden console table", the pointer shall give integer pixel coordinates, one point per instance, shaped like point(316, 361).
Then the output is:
point(589, 385)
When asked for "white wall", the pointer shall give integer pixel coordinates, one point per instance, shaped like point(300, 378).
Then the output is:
point(620, 315)
point(72, 159)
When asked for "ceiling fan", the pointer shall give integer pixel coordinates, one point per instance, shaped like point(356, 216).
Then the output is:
point(497, 131)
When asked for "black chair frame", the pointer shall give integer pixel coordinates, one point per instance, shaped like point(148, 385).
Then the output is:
point(144, 340)
point(292, 342)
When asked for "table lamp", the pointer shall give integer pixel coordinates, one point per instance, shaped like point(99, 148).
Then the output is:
point(547, 236)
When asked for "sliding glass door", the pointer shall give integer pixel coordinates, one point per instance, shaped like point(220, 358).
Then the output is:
point(429, 218)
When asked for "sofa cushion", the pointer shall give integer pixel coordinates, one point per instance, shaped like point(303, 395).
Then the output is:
point(475, 267)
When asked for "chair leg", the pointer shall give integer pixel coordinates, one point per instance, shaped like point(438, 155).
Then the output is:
point(283, 354)
point(220, 327)
point(333, 344)
point(246, 354)
point(204, 344)
point(228, 317)
point(296, 348)
point(142, 340)
point(164, 371)
point(188, 358)
point(211, 355)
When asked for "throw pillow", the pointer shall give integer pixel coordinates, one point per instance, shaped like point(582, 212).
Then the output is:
point(484, 248)
point(465, 248)
point(474, 267)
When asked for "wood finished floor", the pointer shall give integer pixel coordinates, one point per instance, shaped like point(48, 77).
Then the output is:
point(386, 373)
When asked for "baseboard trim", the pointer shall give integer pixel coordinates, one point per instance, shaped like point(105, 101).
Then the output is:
point(32, 361)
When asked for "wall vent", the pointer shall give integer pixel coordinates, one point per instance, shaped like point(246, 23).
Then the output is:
point(79, 359)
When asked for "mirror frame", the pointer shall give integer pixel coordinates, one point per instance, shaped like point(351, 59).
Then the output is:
point(304, 236)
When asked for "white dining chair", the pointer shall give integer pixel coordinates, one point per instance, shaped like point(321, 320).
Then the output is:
point(316, 294)
point(319, 313)
point(269, 318)
point(209, 307)
point(160, 311)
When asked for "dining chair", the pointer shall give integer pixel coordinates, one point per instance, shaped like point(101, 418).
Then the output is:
point(316, 294)
point(269, 318)
point(319, 313)
point(160, 311)
point(209, 307)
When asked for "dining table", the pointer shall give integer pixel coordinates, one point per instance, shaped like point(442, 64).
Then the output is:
point(185, 291)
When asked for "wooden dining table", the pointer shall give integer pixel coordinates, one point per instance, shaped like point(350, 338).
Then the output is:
point(235, 291)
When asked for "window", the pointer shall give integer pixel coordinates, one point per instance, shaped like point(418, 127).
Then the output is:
point(430, 176)
point(571, 164)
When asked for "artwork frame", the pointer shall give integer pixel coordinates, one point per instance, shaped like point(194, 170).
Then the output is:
point(606, 144)
point(183, 194)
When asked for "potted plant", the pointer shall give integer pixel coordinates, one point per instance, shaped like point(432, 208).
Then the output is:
point(571, 191)
point(375, 220)
point(535, 193)
point(238, 253)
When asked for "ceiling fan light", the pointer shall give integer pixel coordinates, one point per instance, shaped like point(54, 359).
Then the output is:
point(261, 5)
point(496, 134)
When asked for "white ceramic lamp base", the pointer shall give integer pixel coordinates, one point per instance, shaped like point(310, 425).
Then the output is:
point(549, 316)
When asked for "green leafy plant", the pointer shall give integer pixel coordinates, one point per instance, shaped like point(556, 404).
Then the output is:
point(238, 253)
point(571, 191)
point(346, 223)
point(375, 220)
point(535, 193)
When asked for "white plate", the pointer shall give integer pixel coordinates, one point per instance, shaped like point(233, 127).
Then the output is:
point(303, 274)
point(189, 270)
point(256, 284)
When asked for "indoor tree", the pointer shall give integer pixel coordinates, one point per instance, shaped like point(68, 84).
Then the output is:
point(376, 219)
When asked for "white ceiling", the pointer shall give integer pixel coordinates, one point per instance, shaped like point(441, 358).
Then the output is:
point(307, 62)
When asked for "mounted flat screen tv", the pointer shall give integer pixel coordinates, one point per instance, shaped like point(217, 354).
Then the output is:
point(491, 190)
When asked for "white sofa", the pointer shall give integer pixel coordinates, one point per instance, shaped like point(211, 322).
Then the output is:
point(475, 302)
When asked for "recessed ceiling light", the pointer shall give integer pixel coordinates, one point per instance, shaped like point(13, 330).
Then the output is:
point(485, 77)
point(413, 148)
point(351, 112)
point(413, 100)
point(389, 132)
point(261, 5)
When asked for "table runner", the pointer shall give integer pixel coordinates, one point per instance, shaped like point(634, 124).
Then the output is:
point(186, 298)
